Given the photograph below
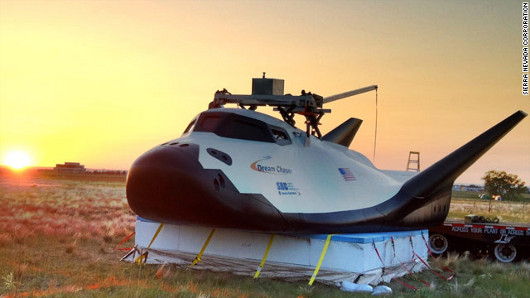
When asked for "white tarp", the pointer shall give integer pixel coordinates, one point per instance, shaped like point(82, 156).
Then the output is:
point(349, 257)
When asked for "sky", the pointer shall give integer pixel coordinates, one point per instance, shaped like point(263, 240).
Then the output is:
point(101, 82)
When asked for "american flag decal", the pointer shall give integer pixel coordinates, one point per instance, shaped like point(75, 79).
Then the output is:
point(347, 174)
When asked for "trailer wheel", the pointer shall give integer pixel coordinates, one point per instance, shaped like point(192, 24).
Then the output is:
point(438, 243)
point(505, 252)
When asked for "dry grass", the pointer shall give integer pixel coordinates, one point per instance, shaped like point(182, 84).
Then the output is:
point(64, 209)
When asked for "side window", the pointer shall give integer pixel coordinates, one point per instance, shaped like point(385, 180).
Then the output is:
point(280, 135)
point(190, 126)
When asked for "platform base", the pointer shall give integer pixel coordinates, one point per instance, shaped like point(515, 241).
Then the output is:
point(350, 257)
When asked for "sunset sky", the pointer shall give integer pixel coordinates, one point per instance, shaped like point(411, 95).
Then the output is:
point(100, 82)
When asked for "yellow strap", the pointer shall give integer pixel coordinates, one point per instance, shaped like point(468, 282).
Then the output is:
point(320, 260)
point(143, 257)
point(264, 257)
point(198, 258)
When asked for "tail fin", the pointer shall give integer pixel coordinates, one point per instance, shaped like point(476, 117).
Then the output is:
point(344, 133)
point(444, 172)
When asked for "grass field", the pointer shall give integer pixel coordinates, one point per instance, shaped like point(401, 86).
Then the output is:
point(58, 238)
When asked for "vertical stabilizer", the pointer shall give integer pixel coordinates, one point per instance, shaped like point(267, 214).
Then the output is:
point(344, 133)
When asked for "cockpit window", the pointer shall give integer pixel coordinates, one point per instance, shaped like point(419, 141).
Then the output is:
point(240, 127)
point(210, 122)
point(245, 130)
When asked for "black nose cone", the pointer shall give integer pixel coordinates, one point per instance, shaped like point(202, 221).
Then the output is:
point(168, 184)
point(161, 181)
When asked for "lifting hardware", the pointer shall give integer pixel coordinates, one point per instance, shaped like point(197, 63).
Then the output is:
point(269, 92)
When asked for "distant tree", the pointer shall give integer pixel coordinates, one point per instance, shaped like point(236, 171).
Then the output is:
point(508, 186)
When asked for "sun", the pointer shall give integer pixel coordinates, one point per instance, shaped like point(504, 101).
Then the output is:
point(17, 160)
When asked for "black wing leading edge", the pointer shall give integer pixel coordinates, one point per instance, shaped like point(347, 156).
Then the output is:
point(422, 202)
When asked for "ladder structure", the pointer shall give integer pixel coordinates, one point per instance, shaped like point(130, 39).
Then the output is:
point(413, 164)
